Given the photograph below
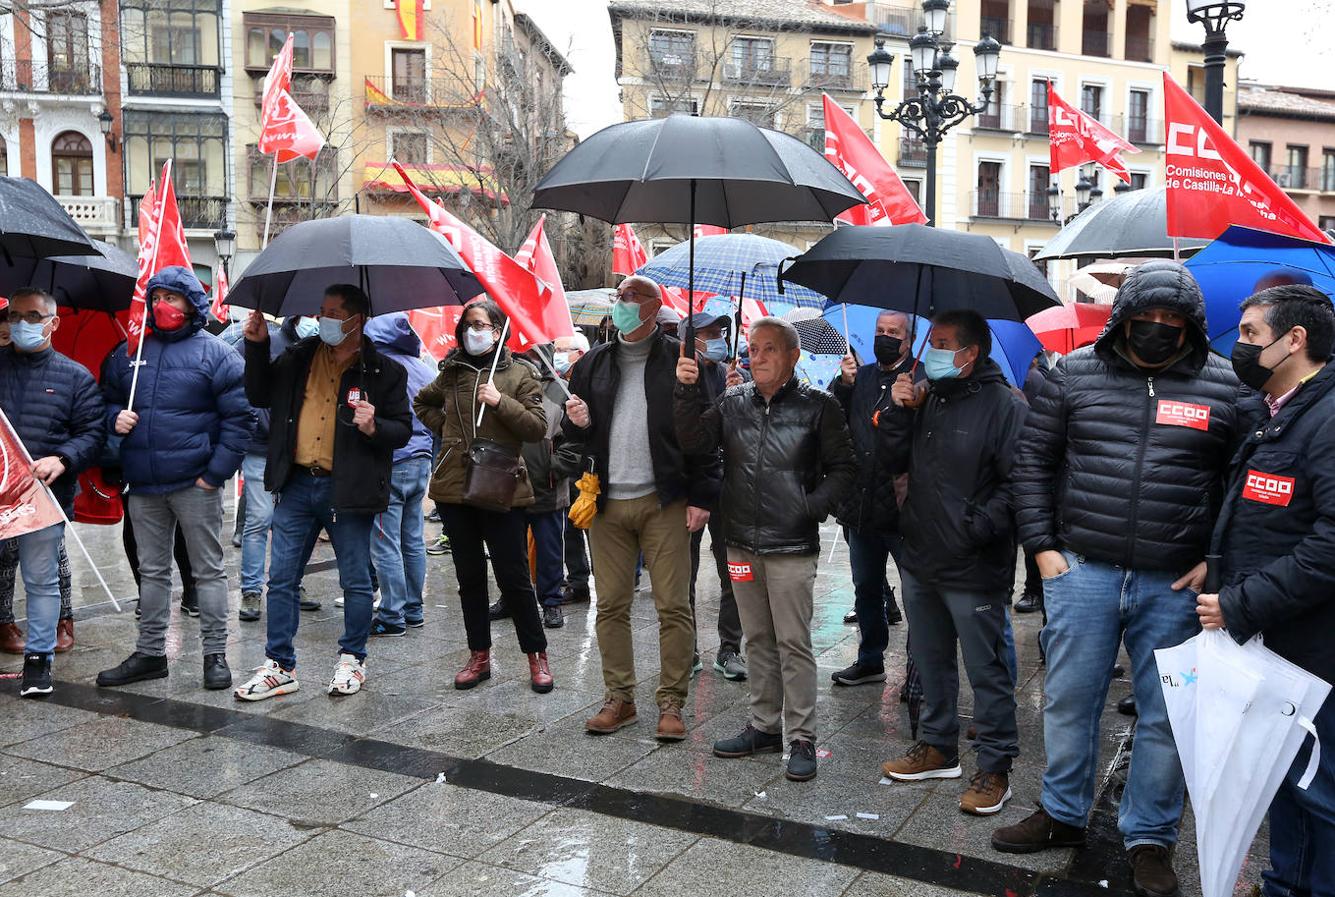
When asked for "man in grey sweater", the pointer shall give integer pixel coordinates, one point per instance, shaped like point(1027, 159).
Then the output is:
point(653, 496)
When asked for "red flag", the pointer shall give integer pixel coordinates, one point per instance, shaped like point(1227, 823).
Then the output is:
point(850, 150)
point(553, 312)
point(435, 327)
point(511, 285)
point(219, 307)
point(1076, 138)
point(25, 504)
point(1212, 182)
point(708, 230)
point(284, 128)
point(162, 244)
point(627, 253)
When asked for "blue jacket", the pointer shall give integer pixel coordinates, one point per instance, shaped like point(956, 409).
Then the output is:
point(279, 339)
point(56, 409)
point(194, 420)
point(396, 339)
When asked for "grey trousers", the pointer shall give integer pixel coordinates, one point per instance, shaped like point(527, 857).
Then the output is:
point(938, 618)
point(198, 512)
point(774, 597)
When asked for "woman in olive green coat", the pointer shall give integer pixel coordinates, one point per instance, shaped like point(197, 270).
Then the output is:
point(513, 415)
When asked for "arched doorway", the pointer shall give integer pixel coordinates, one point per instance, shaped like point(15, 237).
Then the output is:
point(72, 164)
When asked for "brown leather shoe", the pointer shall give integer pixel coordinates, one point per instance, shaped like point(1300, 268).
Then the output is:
point(539, 674)
point(64, 636)
point(477, 670)
point(1036, 832)
point(1152, 871)
point(922, 762)
point(616, 714)
point(670, 726)
point(11, 639)
point(987, 794)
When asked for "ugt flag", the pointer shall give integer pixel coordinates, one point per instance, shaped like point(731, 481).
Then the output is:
point(284, 129)
point(1212, 182)
point(25, 504)
point(850, 150)
point(1075, 138)
point(162, 244)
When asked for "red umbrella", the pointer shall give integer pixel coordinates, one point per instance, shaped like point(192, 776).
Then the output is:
point(1068, 327)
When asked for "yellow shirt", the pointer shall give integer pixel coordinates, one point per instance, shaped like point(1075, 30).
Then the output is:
point(319, 410)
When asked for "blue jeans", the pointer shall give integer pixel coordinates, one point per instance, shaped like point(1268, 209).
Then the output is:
point(549, 535)
point(305, 505)
point(1092, 607)
point(39, 563)
point(397, 548)
point(868, 553)
point(1302, 823)
point(255, 534)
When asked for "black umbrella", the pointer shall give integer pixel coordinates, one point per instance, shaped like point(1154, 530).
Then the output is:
point(686, 169)
point(1133, 225)
point(102, 282)
point(398, 262)
point(923, 270)
point(34, 225)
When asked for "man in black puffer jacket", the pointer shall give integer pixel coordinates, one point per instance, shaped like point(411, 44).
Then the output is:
point(1117, 484)
point(959, 553)
point(787, 463)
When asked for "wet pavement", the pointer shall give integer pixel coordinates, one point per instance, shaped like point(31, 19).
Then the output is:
point(412, 787)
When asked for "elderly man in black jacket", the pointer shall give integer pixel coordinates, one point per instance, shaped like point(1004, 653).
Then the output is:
point(57, 411)
point(959, 559)
point(338, 410)
point(1276, 540)
point(1117, 484)
point(787, 462)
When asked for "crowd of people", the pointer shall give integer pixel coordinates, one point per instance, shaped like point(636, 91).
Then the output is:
point(1119, 472)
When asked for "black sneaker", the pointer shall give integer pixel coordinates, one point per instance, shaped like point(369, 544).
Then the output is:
point(135, 668)
point(575, 594)
point(217, 675)
point(440, 545)
point(893, 615)
point(750, 741)
point(1029, 603)
point(498, 611)
point(414, 622)
point(801, 761)
point(552, 617)
point(190, 603)
point(249, 611)
point(36, 676)
point(388, 630)
point(304, 602)
point(851, 616)
point(859, 674)
point(1127, 706)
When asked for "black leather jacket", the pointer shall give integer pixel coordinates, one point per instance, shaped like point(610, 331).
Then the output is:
point(787, 463)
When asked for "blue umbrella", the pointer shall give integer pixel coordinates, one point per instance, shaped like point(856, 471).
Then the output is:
point(1229, 268)
point(1013, 343)
point(732, 265)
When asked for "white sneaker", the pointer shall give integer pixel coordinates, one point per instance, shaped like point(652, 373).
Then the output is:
point(338, 600)
point(348, 676)
point(269, 681)
point(375, 600)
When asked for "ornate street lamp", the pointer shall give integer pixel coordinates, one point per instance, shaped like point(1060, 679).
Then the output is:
point(934, 108)
point(224, 243)
point(1215, 16)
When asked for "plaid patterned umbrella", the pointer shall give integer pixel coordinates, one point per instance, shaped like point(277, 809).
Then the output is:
point(589, 307)
point(720, 263)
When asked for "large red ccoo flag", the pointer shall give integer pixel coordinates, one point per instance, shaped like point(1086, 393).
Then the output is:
point(553, 311)
point(1212, 182)
point(25, 504)
point(851, 151)
point(1074, 138)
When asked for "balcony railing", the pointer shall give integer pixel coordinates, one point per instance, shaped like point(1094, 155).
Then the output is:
point(670, 67)
point(995, 26)
point(823, 76)
point(1139, 129)
point(912, 153)
point(407, 94)
point(1095, 43)
point(1041, 37)
point(93, 213)
point(1036, 120)
point(1140, 47)
point(311, 100)
point(1035, 207)
point(198, 212)
point(1000, 117)
point(902, 19)
point(770, 72)
point(32, 77)
point(1292, 177)
point(166, 80)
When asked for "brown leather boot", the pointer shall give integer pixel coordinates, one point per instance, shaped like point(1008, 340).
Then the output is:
point(670, 725)
point(11, 639)
point(1152, 870)
point(1036, 832)
point(64, 636)
point(540, 675)
point(477, 670)
point(616, 714)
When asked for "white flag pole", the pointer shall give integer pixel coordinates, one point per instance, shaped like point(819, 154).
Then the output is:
point(69, 525)
point(152, 265)
point(500, 346)
point(268, 210)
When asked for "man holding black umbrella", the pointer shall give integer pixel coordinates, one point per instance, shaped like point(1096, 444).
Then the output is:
point(338, 410)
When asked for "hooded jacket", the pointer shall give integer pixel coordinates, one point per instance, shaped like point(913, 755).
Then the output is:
point(396, 339)
point(194, 420)
point(1124, 466)
point(958, 449)
point(448, 406)
point(1276, 532)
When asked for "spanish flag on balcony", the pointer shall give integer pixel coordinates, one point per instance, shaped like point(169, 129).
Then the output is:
point(410, 18)
point(434, 179)
point(377, 97)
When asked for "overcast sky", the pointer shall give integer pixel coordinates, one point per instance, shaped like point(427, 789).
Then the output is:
point(1290, 42)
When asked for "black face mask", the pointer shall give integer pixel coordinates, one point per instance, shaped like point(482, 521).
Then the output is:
point(1154, 343)
point(1246, 359)
point(887, 348)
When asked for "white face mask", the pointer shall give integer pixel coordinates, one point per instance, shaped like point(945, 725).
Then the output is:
point(332, 332)
point(478, 342)
point(307, 327)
